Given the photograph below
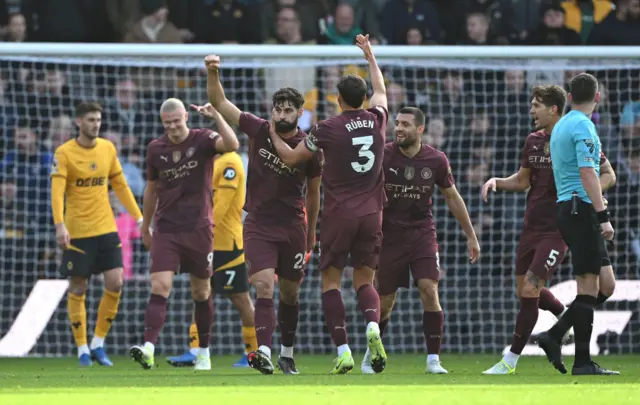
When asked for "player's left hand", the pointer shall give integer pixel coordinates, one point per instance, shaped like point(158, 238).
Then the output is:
point(362, 41)
point(474, 250)
point(207, 110)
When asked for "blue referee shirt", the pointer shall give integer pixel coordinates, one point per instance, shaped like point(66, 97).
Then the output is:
point(574, 144)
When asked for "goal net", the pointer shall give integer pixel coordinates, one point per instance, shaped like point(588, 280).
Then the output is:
point(477, 104)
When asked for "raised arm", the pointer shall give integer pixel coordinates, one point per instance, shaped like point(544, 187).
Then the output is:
point(519, 181)
point(379, 96)
point(215, 92)
point(228, 141)
point(291, 157)
point(607, 176)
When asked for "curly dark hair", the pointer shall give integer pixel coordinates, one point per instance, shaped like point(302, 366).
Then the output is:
point(288, 95)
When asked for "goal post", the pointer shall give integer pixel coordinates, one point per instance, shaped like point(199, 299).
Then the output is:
point(476, 100)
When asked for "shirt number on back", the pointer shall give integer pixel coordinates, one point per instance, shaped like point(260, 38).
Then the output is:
point(364, 142)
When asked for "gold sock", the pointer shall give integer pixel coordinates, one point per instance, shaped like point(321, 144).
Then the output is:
point(77, 313)
point(194, 342)
point(107, 312)
point(250, 339)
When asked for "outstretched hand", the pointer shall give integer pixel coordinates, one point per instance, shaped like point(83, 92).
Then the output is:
point(207, 110)
point(362, 41)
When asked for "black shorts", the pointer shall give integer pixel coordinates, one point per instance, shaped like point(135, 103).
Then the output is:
point(229, 272)
point(582, 234)
point(94, 255)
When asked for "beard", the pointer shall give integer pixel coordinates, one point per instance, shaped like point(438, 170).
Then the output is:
point(284, 126)
point(406, 142)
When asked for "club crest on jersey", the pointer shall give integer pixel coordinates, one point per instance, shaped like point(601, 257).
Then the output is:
point(176, 156)
point(409, 172)
point(426, 173)
point(190, 152)
point(547, 149)
point(93, 166)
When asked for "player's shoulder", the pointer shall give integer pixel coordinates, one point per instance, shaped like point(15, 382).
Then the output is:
point(390, 147)
point(202, 133)
point(69, 145)
point(536, 136)
point(429, 152)
point(105, 144)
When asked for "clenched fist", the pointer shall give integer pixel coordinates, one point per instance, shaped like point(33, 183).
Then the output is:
point(212, 63)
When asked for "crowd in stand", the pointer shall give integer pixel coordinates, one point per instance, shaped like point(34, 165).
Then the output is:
point(478, 117)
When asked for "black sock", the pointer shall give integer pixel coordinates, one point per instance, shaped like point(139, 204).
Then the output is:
point(565, 323)
point(583, 325)
point(601, 299)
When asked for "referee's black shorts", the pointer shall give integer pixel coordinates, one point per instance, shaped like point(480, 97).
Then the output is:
point(582, 234)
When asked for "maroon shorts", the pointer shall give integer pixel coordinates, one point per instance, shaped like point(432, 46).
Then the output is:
point(183, 252)
point(358, 237)
point(407, 252)
point(540, 254)
point(275, 247)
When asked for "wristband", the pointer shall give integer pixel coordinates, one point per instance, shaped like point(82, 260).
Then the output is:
point(603, 216)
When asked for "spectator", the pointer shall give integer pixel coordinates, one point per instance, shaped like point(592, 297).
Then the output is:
point(630, 119)
point(397, 15)
point(126, 114)
point(67, 21)
point(132, 173)
point(342, 31)
point(520, 18)
point(123, 14)
point(16, 30)
point(416, 35)
point(478, 32)
point(288, 30)
point(448, 100)
point(621, 27)
point(552, 30)
point(435, 134)
point(46, 96)
point(154, 25)
point(366, 15)
point(227, 22)
point(582, 15)
point(60, 131)
point(308, 13)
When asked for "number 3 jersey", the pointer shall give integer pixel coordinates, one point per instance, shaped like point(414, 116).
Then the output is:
point(353, 145)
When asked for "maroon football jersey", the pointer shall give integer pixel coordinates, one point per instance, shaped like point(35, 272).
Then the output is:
point(183, 175)
point(353, 145)
point(275, 192)
point(540, 216)
point(409, 185)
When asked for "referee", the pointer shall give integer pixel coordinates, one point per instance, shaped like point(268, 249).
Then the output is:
point(582, 219)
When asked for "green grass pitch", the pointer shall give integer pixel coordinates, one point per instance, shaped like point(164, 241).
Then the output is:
point(60, 381)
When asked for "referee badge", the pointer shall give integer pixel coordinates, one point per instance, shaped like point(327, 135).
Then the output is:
point(409, 172)
point(546, 149)
point(176, 156)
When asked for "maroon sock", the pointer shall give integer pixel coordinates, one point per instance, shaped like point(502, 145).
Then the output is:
point(432, 326)
point(335, 316)
point(264, 318)
point(288, 321)
point(525, 321)
point(203, 316)
point(383, 325)
point(549, 302)
point(369, 303)
point(154, 317)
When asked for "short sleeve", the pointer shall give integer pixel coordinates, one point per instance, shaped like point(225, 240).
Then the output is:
point(116, 167)
point(152, 171)
point(524, 156)
point(381, 113)
point(209, 139)
point(229, 172)
point(250, 124)
point(314, 168)
point(585, 138)
point(314, 139)
point(59, 164)
point(444, 177)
